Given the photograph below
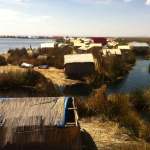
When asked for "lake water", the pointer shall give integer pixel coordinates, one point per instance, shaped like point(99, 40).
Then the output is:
point(7, 43)
point(138, 78)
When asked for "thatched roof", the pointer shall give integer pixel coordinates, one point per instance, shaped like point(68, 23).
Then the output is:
point(124, 47)
point(79, 58)
point(138, 44)
point(31, 121)
point(48, 45)
point(21, 112)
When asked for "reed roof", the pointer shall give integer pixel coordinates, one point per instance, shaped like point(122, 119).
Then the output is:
point(78, 58)
point(124, 47)
point(48, 45)
point(138, 44)
point(33, 111)
point(37, 121)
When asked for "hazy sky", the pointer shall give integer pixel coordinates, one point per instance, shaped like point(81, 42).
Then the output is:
point(75, 17)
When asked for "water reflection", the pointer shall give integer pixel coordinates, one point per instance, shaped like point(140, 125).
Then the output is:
point(138, 78)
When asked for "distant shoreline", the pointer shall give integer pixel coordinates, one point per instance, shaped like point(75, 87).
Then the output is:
point(25, 38)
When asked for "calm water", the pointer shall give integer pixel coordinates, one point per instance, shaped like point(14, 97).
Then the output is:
point(138, 78)
point(7, 43)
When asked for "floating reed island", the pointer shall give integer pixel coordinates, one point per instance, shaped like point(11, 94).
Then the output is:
point(39, 123)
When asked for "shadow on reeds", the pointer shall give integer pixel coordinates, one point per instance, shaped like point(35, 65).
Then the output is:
point(78, 90)
point(35, 146)
point(87, 141)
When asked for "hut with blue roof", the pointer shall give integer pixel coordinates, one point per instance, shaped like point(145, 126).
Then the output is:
point(39, 123)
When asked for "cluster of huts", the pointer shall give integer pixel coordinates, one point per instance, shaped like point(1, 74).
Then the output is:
point(39, 123)
point(85, 45)
point(81, 61)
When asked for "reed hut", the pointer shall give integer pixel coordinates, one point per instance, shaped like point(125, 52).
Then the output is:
point(48, 45)
point(139, 47)
point(79, 65)
point(124, 48)
point(39, 123)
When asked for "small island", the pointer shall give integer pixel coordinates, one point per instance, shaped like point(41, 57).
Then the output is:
point(82, 68)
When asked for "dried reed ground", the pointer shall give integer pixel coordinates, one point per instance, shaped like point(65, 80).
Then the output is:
point(127, 111)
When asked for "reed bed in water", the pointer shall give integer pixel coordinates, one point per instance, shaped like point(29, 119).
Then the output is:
point(13, 78)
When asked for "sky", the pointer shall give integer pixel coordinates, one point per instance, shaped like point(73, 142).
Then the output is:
point(75, 17)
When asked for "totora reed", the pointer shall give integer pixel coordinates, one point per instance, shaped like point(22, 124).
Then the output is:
point(43, 122)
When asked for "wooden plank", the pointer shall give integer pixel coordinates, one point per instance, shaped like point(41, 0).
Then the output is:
point(2, 120)
point(72, 108)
